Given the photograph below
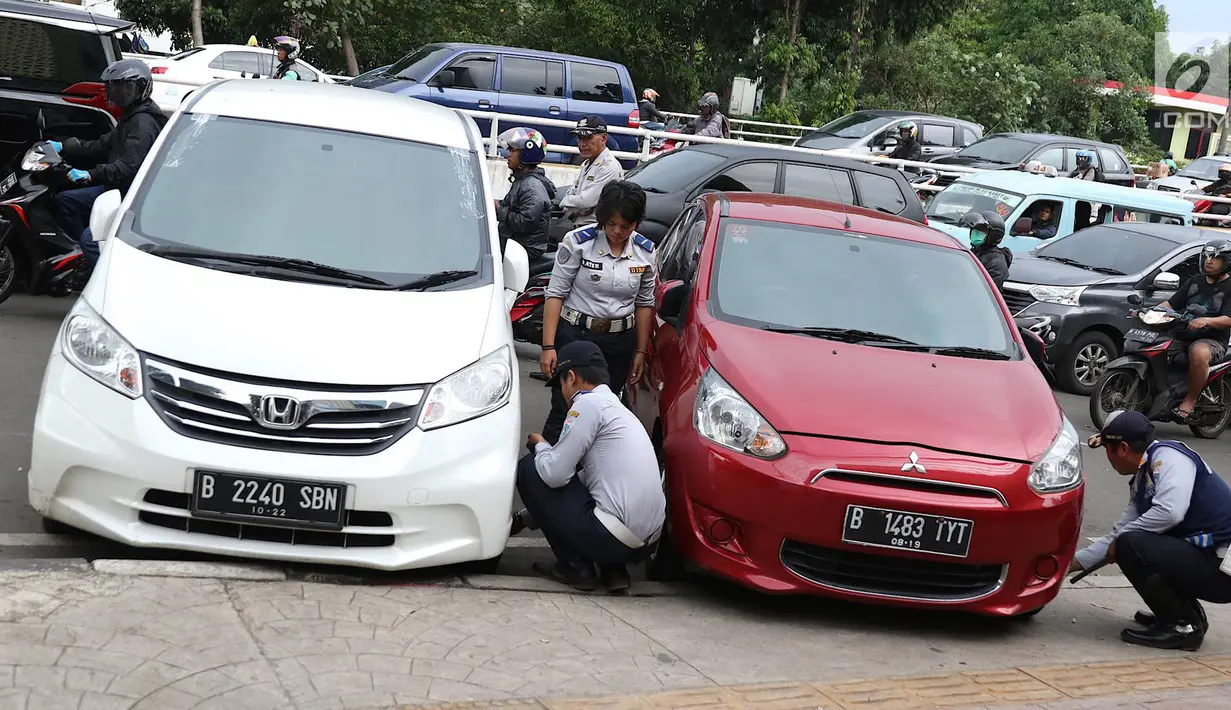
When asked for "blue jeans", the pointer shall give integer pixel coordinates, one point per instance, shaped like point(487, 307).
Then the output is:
point(72, 211)
point(653, 125)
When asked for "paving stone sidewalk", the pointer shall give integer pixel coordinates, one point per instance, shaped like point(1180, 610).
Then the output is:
point(77, 638)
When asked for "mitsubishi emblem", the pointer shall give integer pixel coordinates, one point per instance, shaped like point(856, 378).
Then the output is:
point(913, 464)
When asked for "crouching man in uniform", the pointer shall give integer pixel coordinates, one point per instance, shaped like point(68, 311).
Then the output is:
point(596, 494)
point(1172, 538)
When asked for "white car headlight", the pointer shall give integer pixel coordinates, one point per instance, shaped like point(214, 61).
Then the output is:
point(725, 418)
point(1060, 295)
point(1060, 468)
point(471, 392)
point(95, 348)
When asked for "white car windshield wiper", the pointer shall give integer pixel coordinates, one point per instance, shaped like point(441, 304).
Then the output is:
point(439, 278)
point(279, 262)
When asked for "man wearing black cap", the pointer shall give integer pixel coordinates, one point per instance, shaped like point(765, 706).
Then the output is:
point(596, 494)
point(599, 168)
point(1171, 540)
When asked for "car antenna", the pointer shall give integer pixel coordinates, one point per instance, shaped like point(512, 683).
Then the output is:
point(846, 216)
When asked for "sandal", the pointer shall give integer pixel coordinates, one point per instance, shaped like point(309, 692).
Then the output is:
point(1183, 417)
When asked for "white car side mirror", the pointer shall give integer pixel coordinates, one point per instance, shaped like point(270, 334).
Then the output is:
point(516, 267)
point(103, 214)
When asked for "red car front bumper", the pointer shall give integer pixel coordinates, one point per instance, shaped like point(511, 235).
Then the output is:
point(777, 526)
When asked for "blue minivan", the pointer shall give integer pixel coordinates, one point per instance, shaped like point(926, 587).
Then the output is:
point(518, 81)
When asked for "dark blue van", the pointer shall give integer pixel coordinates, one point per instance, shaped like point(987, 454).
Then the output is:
point(517, 81)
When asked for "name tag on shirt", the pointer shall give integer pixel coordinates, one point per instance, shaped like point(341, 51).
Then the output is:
point(637, 269)
point(591, 264)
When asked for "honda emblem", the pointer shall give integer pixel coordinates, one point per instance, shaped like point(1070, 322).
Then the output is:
point(913, 464)
point(278, 412)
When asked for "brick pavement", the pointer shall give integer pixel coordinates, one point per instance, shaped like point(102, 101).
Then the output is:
point(78, 639)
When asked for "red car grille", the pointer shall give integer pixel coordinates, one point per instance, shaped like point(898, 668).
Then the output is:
point(881, 575)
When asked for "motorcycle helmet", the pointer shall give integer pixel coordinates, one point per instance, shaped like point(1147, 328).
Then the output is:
point(530, 142)
point(1224, 172)
point(290, 45)
point(649, 95)
point(995, 227)
point(1084, 159)
point(708, 101)
point(908, 129)
point(977, 224)
point(1215, 249)
point(128, 82)
point(1169, 156)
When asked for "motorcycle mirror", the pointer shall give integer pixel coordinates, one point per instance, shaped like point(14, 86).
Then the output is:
point(42, 124)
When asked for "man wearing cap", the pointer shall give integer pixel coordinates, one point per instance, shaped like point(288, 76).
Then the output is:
point(596, 493)
point(1171, 540)
point(599, 168)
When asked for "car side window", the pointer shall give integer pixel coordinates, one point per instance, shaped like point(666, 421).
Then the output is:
point(1111, 162)
point(532, 77)
point(1070, 157)
point(759, 176)
point(1035, 212)
point(938, 135)
point(968, 137)
point(1186, 267)
point(475, 71)
point(877, 192)
point(305, 74)
point(663, 256)
point(1053, 157)
point(819, 183)
point(246, 62)
point(592, 82)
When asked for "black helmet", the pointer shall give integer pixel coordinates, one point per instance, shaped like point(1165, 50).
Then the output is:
point(989, 223)
point(1169, 156)
point(128, 81)
point(1217, 248)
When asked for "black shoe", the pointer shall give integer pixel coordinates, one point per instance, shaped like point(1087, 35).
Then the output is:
point(517, 525)
point(615, 578)
point(1181, 637)
point(1146, 618)
point(538, 375)
point(579, 577)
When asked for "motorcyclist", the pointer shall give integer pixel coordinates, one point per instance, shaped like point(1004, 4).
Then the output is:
point(651, 118)
point(1206, 337)
point(986, 232)
point(117, 155)
point(288, 52)
point(1222, 185)
point(710, 122)
point(1086, 169)
point(908, 147)
point(524, 215)
point(1169, 161)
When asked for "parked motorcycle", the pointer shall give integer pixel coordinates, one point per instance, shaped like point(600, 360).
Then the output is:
point(527, 310)
point(35, 253)
point(1151, 377)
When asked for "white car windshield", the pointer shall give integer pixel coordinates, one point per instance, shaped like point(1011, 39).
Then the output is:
point(389, 210)
point(891, 292)
point(1203, 169)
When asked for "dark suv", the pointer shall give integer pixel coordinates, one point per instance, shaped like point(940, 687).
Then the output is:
point(673, 179)
point(1008, 151)
point(1083, 281)
point(51, 58)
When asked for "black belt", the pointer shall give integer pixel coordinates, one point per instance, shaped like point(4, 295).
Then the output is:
point(598, 325)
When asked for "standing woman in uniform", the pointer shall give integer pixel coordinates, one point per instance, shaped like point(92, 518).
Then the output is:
point(602, 290)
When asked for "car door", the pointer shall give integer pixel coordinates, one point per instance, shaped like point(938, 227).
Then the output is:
point(669, 352)
point(938, 139)
point(469, 83)
point(530, 86)
point(1115, 168)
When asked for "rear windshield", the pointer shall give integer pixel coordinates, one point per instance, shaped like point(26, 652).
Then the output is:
point(394, 225)
point(418, 65)
point(960, 198)
point(675, 170)
point(999, 150)
point(40, 57)
point(770, 274)
point(1108, 250)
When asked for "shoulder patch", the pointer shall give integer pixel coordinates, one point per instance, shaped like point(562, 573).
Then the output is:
point(584, 235)
point(563, 255)
point(643, 242)
point(574, 413)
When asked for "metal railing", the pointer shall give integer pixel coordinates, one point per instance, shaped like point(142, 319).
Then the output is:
point(735, 122)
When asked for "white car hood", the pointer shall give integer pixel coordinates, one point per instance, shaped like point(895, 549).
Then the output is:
point(287, 330)
point(1183, 184)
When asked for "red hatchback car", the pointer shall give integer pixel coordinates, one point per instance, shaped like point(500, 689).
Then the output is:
point(844, 407)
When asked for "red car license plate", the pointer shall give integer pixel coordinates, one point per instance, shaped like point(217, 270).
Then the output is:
point(903, 530)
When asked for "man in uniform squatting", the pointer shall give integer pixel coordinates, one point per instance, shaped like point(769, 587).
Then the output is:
point(597, 493)
point(1171, 540)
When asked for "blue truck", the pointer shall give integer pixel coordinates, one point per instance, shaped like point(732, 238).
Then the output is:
point(525, 82)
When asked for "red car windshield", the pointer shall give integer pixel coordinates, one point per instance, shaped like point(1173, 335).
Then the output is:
point(771, 275)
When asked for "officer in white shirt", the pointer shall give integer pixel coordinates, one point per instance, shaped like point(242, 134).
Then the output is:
point(596, 494)
point(599, 168)
point(602, 290)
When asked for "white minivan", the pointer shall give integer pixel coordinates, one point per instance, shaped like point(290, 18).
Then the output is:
point(296, 344)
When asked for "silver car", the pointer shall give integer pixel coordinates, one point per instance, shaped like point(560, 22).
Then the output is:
point(1194, 176)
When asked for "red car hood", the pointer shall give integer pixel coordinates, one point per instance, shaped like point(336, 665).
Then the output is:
point(806, 385)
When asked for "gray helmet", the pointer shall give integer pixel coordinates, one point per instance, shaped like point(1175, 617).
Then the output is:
point(708, 100)
point(128, 81)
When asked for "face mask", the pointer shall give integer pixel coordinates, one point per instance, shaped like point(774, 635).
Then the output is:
point(977, 238)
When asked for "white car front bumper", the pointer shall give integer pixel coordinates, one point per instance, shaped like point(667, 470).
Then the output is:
point(109, 465)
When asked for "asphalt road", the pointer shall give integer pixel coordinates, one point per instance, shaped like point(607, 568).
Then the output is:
point(29, 325)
